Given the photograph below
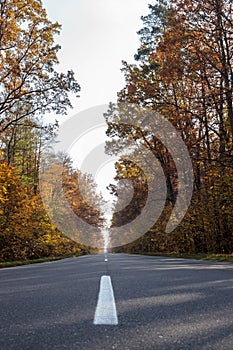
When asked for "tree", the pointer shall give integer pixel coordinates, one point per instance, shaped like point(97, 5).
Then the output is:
point(28, 56)
point(13, 225)
point(26, 231)
point(22, 144)
point(31, 87)
point(70, 200)
point(184, 71)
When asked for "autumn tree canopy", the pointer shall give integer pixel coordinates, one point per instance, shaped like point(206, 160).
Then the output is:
point(30, 83)
point(184, 71)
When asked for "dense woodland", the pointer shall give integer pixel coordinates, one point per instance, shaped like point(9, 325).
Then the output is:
point(31, 88)
point(184, 70)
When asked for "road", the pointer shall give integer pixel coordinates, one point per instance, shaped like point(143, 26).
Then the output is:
point(161, 303)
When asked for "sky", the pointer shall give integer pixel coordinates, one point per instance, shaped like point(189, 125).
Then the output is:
point(96, 36)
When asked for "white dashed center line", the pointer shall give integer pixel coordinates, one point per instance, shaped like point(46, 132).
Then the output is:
point(105, 312)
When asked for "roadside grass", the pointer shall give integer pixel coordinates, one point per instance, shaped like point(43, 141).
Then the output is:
point(208, 257)
point(36, 261)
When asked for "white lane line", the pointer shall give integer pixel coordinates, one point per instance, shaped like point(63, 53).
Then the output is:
point(105, 312)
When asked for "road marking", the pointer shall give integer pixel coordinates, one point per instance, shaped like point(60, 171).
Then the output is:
point(105, 312)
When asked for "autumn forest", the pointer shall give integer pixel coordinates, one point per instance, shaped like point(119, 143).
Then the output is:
point(183, 69)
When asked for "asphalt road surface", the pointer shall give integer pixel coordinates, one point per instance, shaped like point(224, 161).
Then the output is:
point(160, 303)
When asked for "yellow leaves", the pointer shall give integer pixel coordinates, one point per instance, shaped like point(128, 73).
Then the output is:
point(27, 38)
point(25, 229)
point(200, 162)
point(4, 190)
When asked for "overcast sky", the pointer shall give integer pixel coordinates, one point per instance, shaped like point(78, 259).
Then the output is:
point(96, 36)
